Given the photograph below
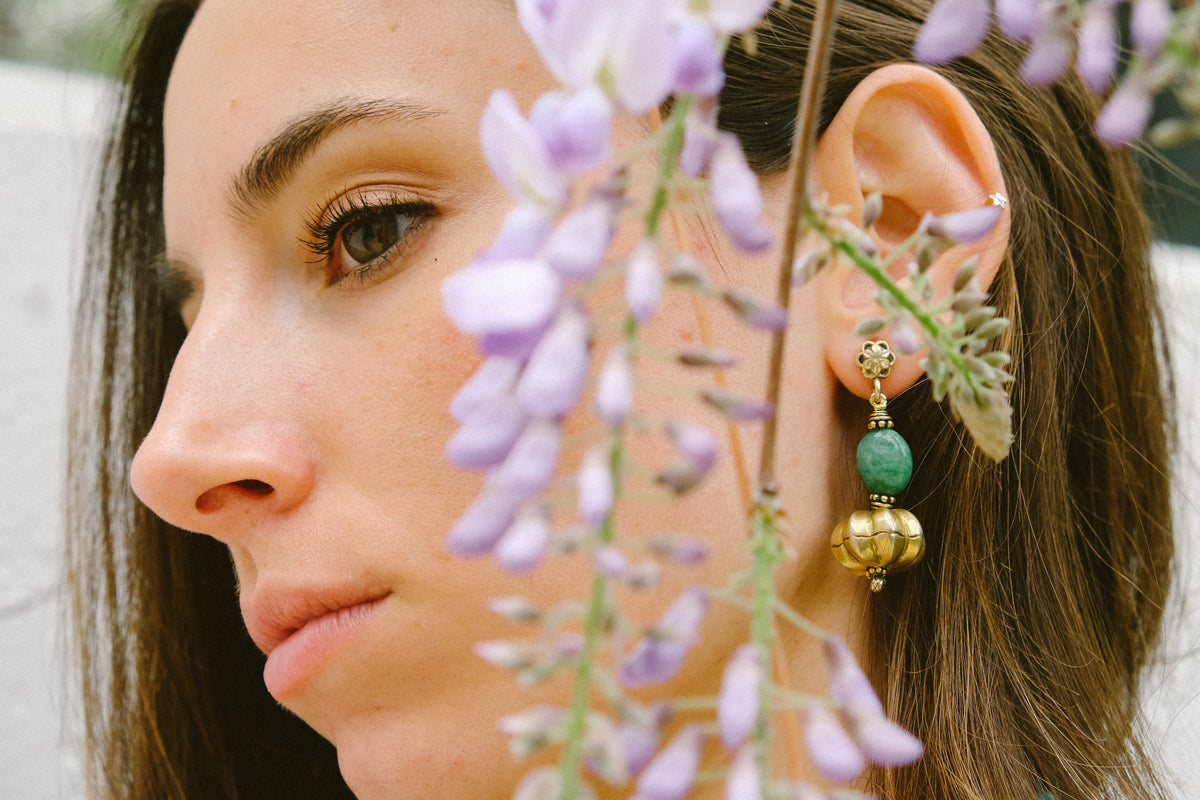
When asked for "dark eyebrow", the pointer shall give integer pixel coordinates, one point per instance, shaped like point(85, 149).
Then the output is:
point(274, 163)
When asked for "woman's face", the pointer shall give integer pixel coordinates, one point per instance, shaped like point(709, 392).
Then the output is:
point(305, 417)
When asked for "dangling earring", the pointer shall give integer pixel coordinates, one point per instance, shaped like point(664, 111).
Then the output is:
point(884, 539)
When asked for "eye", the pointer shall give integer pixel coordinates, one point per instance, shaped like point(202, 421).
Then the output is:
point(360, 237)
point(367, 239)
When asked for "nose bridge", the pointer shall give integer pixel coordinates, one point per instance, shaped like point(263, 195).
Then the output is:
point(227, 448)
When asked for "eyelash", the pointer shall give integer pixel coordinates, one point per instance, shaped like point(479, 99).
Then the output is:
point(324, 229)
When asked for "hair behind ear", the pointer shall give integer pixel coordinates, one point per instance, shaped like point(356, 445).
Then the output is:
point(1014, 650)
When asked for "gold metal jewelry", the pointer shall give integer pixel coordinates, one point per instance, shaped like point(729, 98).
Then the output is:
point(883, 539)
point(997, 199)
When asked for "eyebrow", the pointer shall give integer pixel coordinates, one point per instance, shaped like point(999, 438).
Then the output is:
point(276, 161)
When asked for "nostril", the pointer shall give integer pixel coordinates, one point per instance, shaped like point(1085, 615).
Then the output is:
point(255, 487)
point(215, 499)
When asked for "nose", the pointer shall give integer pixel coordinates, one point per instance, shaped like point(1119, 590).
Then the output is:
point(229, 449)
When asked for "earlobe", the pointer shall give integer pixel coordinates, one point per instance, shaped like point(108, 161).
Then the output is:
point(908, 134)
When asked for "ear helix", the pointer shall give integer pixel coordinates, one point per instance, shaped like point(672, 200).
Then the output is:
point(883, 539)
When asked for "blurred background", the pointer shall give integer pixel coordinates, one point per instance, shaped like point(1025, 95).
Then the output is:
point(56, 57)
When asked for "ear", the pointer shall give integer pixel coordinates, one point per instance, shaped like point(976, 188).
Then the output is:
point(909, 134)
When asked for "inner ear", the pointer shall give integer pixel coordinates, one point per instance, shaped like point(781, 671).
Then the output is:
point(896, 222)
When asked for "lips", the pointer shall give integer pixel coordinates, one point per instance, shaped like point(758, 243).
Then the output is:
point(274, 615)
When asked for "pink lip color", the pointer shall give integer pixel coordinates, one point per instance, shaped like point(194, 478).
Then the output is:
point(300, 654)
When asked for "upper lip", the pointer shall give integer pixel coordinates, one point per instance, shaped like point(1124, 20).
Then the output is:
point(274, 614)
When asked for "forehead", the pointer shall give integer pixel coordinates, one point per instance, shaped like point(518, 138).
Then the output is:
point(248, 67)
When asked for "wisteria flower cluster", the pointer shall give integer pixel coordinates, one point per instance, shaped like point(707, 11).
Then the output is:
point(1085, 34)
point(530, 299)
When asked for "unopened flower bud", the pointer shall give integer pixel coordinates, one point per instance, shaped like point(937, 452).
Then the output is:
point(522, 546)
point(1150, 26)
point(737, 706)
point(643, 281)
point(992, 328)
point(670, 775)
point(872, 209)
point(833, 752)
point(706, 357)
point(516, 609)
point(904, 336)
point(1126, 113)
point(951, 29)
point(965, 227)
point(595, 487)
point(1048, 57)
point(1097, 50)
point(614, 388)
point(742, 781)
point(741, 409)
point(754, 311)
point(869, 326)
point(509, 655)
point(686, 271)
point(966, 271)
point(612, 562)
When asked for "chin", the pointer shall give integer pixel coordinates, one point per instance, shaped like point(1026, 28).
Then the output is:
point(382, 758)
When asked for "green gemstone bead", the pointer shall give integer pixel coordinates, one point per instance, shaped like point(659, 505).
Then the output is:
point(884, 461)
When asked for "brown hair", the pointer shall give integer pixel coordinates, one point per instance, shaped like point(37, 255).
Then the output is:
point(1014, 650)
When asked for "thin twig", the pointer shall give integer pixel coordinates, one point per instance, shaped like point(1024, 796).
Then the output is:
point(821, 44)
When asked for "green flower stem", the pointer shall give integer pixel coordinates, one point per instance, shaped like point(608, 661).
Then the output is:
point(598, 611)
point(764, 546)
point(877, 273)
point(672, 147)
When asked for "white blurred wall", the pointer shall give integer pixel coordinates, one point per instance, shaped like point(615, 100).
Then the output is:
point(48, 125)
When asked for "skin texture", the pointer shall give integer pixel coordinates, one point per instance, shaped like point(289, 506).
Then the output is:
point(304, 420)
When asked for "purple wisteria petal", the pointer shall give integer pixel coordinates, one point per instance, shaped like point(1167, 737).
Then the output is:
point(603, 751)
point(967, 226)
point(523, 232)
point(904, 338)
point(658, 655)
point(643, 281)
point(698, 67)
point(577, 247)
point(639, 743)
point(1150, 26)
point(670, 775)
point(831, 749)
point(1096, 53)
point(545, 783)
point(735, 16)
point(848, 684)
point(572, 36)
point(553, 380)
point(494, 377)
point(521, 547)
point(758, 313)
point(516, 154)
point(575, 127)
point(1125, 115)
point(707, 357)
point(487, 433)
point(699, 139)
point(742, 781)
point(1048, 57)
point(1019, 19)
point(541, 721)
point(532, 460)
point(612, 562)
point(953, 28)
point(517, 344)
point(694, 442)
point(884, 742)
point(737, 706)
point(595, 487)
point(737, 200)
point(481, 525)
point(501, 297)
point(642, 59)
point(614, 389)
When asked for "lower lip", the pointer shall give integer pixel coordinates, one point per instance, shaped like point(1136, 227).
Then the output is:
point(296, 659)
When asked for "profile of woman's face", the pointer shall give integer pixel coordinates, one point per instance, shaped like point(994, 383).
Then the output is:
point(322, 178)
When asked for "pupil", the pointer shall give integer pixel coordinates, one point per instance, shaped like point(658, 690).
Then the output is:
point(370, 238)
